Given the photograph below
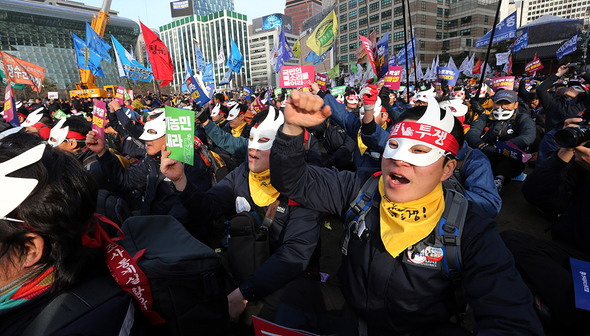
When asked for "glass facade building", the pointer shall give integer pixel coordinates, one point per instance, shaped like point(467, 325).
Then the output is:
point(211, 32)
point(40, 34)
point(206, 7)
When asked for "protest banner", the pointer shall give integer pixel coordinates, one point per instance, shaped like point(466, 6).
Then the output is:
point(120, 95)
point(247, 92)
point(393, 76)
point(266, 328)
point(506, 83)
point(321, 80)
point(449, 74)
point(22, 72)
point(511, 151)
point(296, 76)
point(98, 117)
point(278, 91)
point(10, 113)
point(338, 90)
point(180, 131)
point(580, 271)
point(59, 114)
point(568, 47)
point(53, 95)
point(534, 65)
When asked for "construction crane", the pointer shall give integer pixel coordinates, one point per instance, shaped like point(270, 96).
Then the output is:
point(87, 88)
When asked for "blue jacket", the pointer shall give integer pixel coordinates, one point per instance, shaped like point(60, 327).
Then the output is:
point(352, 125)
point(392, 295)
point(476, 172)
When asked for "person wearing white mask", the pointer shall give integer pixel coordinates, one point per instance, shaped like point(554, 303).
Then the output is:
point(506, 124)
point(236, 120)
point(294, 232)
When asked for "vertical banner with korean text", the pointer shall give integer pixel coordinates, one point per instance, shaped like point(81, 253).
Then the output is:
point(120, 95)
point(392, 78)
point(180, 130)
point(98, 117)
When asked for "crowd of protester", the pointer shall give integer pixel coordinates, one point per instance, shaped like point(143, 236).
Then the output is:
point(429, 158)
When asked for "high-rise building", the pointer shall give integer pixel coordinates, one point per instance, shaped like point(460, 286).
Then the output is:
point(40, 33)
point(264, 35)
point(568, 9)
point(440, 27)
point(211, 32)
point(299, 10)
point(183, 8)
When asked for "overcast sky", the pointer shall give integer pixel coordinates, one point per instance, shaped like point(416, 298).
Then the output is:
point(156, 13)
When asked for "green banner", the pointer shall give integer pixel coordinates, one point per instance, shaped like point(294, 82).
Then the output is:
point(180, 133)
point(59, 114)
point(5, 81)
point(278, 91)
point(289, 92)
point(338, 90)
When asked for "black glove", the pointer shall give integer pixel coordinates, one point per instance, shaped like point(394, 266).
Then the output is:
point(202, 114)
point(444, 86)
point(489, 150)
point(476, 106)
point(384, 95)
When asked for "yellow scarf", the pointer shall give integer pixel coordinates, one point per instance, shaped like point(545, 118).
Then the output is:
point(236, 132)
point(405, 224)
point(263, 194)
point(362, 146)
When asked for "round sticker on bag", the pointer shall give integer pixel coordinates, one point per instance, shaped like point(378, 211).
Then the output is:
point(434, 253)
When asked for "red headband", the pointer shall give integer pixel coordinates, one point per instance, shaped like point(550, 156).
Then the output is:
point(76, 135)
point(426, 133)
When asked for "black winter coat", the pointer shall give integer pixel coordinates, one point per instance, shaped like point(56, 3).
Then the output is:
point(520, 130)
point(559, 109)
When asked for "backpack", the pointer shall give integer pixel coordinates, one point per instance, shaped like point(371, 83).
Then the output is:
point(185, 276)
point(446, 235)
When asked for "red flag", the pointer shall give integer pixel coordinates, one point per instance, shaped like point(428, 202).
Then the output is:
point(368, 49)
point(158, 56)
point(534, 65)
point(477, 67)
point(22, 72)
point(509, 66)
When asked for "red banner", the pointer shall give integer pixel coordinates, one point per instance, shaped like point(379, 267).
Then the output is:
point(477, 67)
point(369, 50)
point(509, 66)
point(321, 79)
point(296, 76)
point(265, 328)
point(98, 117)
point(120, 95)
point(22, 72)
point(158, 56)
point(392, 78)
point(10, 114)
point(506, 83)
point(534, 65)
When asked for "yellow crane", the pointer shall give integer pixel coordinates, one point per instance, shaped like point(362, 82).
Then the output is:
point(87, 88)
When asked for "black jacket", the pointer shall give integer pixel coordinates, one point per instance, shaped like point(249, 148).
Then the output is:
point(561, 188)
point(160, 196)
point(129, 133)
point(559, 109)
point(393, 295)
point(339, 146)
point(294, 233)
point(520, 130)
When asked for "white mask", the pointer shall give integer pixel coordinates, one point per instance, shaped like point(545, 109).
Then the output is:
point(267, 129)
point(234, 112)
point(502, 114)
point(58, 133)
point(215, 110)
point(423, 132)
point(33, 118)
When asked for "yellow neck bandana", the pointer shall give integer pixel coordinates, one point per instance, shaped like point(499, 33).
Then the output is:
point(362, 146)
point(236, 132)
point(262, 193)
point(405, 224)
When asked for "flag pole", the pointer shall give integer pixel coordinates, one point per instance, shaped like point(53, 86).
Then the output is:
point(413, 45)
point(485, 64)
point(406, 49)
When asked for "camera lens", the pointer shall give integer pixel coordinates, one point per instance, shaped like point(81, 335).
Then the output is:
point(570, 137)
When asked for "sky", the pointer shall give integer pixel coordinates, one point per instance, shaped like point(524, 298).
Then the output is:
point(156, 13)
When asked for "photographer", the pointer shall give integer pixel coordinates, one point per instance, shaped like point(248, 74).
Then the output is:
point(559, 186)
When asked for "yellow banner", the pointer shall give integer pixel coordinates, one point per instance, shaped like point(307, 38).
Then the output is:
point(297, 49)
point(324, 35)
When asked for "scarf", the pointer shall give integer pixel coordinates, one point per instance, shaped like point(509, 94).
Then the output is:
point(26, 288)
point(405, 224)
point(236, 132)
point(362, 146)
point(262, 193)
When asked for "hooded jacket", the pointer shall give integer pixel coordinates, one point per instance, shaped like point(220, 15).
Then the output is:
point(519, 129)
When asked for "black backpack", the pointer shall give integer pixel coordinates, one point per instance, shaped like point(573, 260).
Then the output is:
point(186, 276)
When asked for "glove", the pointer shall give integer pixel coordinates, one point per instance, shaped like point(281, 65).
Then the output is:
point(384, 95)
point(369, 96)
point(476, 106)
point(202, 114)
point(444, 86)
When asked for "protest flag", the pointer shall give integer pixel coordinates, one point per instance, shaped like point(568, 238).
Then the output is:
point(158, 56)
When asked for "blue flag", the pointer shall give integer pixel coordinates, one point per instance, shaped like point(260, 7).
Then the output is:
point(200, 58)
point(521, 42)
point(208, 74)
point(96, 43)
point(235, 60)
point(131, 68)
point(383, 54)
point(284, 52)
point(315, 59)
point(401, 55)
point(227, 77)
point(197, 94)
point(568, 47)
point(504, 30)
point(93, 58)
point(247, 92)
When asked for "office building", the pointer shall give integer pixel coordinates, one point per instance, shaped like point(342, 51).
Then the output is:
point(211, 32)
point(299, 10)
point(39, 33)
point(264, 35)
point(183, 8)
point(567, 9)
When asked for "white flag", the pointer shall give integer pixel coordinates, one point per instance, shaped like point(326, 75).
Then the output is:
point(436, 65)
point(502, 58)
point(427, 74)
point(273, 56)
point(489, 70)
point(419, 73)
point(451, 63)
point(464, 64)
point(220, 56)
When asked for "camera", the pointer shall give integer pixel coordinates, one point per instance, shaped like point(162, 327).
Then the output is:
point(571, 137)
